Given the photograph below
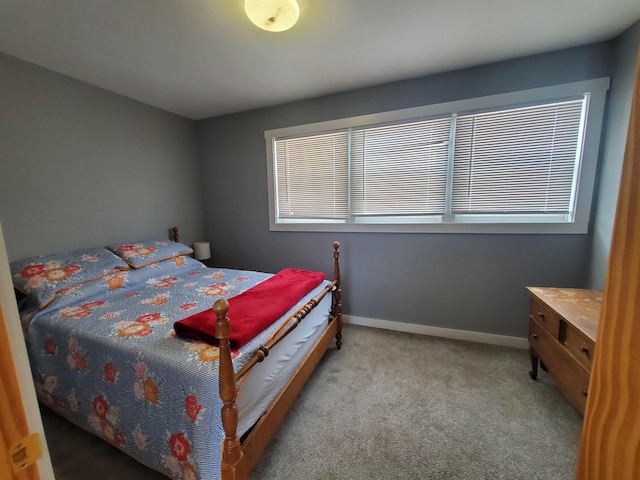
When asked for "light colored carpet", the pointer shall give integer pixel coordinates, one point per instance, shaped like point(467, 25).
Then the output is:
point(392, 405)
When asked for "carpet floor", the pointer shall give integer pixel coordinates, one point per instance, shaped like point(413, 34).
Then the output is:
point(391, 405)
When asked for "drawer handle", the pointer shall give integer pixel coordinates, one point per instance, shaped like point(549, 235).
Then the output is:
point(584, 350)
point(534, 335)
point(541, 315)
point(585, 393)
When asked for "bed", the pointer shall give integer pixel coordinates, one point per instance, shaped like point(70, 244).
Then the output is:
point(109, 348)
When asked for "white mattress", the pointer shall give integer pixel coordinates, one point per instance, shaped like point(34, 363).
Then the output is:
point(269, 377)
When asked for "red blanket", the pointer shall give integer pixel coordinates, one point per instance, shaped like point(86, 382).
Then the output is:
point(253, 310)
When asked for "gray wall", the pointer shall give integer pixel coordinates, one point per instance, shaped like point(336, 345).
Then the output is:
point(83, 167)
point(471, 282)
point(75, 163)
point(625, 54)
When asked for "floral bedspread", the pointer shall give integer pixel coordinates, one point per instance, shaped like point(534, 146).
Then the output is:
point(105, 356)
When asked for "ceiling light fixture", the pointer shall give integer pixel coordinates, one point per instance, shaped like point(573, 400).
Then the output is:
point(273, 15)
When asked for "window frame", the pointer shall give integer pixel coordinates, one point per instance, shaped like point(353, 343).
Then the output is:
point(597, 89)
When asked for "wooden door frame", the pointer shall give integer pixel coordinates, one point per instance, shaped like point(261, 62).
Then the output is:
point(610, 446)
point(15, 374)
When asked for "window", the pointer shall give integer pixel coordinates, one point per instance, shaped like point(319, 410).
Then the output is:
point(522, 162)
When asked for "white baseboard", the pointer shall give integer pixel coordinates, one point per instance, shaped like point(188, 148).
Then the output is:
point(480, 337)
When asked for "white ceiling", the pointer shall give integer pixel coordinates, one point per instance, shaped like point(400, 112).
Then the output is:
point(201, 58)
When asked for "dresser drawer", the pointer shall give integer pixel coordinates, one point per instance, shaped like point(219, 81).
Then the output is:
point(579, 346)
point(572, 379)
point(546, 317)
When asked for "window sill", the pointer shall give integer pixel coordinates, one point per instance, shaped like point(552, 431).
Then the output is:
point(469, 228)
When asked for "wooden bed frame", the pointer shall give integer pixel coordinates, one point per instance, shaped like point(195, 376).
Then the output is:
point(239, 457)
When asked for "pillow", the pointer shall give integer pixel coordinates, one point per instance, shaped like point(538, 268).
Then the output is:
point(176, 265)
point(141, 254)
point(42, 277)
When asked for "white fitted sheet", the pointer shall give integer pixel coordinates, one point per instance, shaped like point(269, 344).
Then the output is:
point(269, 377)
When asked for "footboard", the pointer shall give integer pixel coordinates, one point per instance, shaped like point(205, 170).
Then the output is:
point(238, 459)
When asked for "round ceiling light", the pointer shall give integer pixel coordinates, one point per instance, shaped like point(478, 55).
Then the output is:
point(273, 15)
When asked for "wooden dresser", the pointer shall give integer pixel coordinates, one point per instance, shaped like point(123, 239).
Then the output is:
point(563, 323)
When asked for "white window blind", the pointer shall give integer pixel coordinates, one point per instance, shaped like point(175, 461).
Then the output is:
point(522, 160)
point(400, 169)
point(312, 176)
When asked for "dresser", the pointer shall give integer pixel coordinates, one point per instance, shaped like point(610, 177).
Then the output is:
point(563, 324)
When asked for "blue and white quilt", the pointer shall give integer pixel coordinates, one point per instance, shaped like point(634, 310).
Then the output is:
point(105, 356)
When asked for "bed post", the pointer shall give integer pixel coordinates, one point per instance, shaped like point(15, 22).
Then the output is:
point(336, 302)
point(175, 235)
point(232, 461)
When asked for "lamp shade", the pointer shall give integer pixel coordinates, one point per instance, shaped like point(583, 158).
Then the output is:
point(272, 15)
point(201, 250)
